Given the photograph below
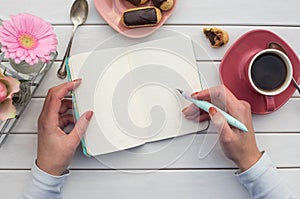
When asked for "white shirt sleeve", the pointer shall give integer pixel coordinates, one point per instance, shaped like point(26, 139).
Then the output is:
point(263, 181)
point(44, 185)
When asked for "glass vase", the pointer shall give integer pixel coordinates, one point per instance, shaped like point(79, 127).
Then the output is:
point(26, 68)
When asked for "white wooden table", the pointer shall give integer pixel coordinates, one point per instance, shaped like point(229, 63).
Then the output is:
point(188, 176)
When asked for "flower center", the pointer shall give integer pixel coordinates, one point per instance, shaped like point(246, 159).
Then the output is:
point(27, 41)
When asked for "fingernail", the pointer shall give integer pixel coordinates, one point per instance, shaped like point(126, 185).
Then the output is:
point(196, 93)
point(77, 80)
point(89, 115)
point(183, 110)
point(189, 117)
point(212, 111)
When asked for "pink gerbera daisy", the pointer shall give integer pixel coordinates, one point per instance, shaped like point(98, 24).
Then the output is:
point(27, 38)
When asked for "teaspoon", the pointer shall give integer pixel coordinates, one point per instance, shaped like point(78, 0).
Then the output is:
point(78, 15)
point(277, 46)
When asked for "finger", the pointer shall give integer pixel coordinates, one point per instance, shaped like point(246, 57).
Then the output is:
point(202, 117)
point(218, 92)
point(211, 93)
point(56, 94)
point(211, 96)
point(80, 128)
point(198, 117)
point(66, 104)
point(65, 120)
point(202, 95)
point(191, 110)
point(66, 87)
point(195, 115)
point(63, 89)
point(220, 96)
point(220, 122)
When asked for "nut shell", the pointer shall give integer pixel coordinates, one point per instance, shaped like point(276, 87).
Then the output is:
point(167, 5)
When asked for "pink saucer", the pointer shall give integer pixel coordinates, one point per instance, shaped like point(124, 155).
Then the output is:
point(112, 10)
point(237, 59)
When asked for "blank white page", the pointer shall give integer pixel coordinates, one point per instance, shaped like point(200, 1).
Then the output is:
point(132, 92)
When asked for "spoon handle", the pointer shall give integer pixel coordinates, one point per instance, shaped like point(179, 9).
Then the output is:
point(296, 85)
point(62, 72)
point(277, 46)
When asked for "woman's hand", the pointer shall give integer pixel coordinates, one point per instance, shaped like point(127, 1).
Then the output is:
point(238, 146)
point(56, 148)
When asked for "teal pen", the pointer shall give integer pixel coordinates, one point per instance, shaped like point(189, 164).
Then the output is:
point(204, 105)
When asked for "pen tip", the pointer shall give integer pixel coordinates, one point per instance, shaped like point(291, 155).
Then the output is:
point(180, 91)
point(244, 128)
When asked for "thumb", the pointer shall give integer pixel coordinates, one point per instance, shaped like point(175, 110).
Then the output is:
point(80, 127)
point(219, 121)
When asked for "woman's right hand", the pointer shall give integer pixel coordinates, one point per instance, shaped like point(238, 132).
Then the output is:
point(238, 146)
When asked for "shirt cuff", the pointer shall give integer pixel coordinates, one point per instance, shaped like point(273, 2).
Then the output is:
point(48, 179)
point(254, 172)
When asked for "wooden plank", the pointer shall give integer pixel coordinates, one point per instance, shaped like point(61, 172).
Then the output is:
point(274, 122)
point(209, 73)
point(166, 184)
point(183, 152)
point(226, 12)
point(27, 123)
point(49, 81)
point(140, 184)
point(89, 37)
point(192, 12)
point(54, 11)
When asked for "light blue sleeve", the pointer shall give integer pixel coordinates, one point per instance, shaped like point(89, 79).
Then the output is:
point(263, 181)
point(43, 185)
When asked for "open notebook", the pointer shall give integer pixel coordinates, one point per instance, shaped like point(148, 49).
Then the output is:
point(132, 92)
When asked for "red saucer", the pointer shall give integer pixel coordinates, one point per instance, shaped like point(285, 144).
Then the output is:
point(237, 59)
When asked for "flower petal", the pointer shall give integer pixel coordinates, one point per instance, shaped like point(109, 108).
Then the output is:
point(16, 22)
point(12, 55)
point(12, 84)
point(35, 60)
point(32, 54)
point(20, 52)
point(3, 92)
point(7, 110)
point(28, 60)
point(22, 57)
point(12, 46)
point(17, 60)
point(8, 25)
point(9, 39)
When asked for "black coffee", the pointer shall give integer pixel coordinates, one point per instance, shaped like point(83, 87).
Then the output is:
point(268, 72)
